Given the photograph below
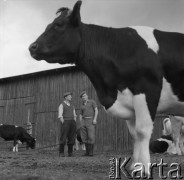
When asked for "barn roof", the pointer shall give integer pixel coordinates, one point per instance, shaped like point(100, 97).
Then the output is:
point(40, 73)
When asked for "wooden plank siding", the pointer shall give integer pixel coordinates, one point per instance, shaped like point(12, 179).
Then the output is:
point(36, 97)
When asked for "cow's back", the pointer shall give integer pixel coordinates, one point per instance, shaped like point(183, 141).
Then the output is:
point(7, 132)
point(171, 55)
point(22, 134)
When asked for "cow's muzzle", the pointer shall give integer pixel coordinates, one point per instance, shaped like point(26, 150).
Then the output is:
point(33, 47)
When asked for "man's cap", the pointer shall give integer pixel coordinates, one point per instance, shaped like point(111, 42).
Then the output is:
point(67, 93)
point(82, 93)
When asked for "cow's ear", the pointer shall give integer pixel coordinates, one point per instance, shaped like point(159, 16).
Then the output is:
point(75, 18)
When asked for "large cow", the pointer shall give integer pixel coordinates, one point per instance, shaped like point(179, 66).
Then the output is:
point(16, 134)
point(136, 71)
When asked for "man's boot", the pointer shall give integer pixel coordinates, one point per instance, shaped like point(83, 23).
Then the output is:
point(70, 150)
point(61, 150)
point(87, 149)
point(90, 149)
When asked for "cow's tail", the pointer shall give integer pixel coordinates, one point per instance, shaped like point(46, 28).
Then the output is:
point(167, 126)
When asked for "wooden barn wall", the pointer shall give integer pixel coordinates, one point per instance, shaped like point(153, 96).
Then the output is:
point(16, 101)
point(36, 99)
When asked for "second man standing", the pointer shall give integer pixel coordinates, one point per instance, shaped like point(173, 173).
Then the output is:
point(88, 118)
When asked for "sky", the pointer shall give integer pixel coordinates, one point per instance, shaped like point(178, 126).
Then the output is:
point(22, 21)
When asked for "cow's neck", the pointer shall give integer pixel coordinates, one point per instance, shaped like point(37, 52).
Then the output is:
point(92, 53)
point(94, 43)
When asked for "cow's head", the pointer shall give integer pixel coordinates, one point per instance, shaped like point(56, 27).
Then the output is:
point(61, 40)
point(31, 143)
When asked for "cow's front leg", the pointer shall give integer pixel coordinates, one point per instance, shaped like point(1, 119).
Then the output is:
point(177, 145)
point(14, 145)
point(143, 128)
point(181, 139)
point(16, 148)
point(136, 146)
point(181, 144)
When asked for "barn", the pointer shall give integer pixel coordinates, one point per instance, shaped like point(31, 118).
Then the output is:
point(34, 98)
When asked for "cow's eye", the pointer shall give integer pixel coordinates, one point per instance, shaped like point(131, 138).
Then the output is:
point(56, 26)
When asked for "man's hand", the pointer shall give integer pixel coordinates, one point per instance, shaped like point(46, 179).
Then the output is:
point(94, 121)
point(62, 120)
point(80, 117)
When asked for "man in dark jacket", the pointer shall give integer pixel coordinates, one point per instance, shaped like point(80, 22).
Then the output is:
point(67, 116)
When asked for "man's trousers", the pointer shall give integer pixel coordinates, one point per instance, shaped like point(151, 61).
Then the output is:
point(68, 132)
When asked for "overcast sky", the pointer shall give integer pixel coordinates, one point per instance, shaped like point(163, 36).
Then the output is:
point(22, 21)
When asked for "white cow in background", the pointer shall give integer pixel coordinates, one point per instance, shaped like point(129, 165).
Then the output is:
point(172, 138)
point(177, 128)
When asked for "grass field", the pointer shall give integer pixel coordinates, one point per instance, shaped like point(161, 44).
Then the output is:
point(47, 165)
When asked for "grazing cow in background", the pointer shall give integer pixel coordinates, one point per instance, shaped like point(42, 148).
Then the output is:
point(17, 135)
point(136, 71)
point(78, 143)
point(166, 142)
point(162, 145)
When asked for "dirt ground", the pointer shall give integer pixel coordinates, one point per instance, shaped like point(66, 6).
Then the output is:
point(47, 165)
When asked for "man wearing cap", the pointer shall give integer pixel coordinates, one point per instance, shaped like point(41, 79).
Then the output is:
point(67, 117)
point(88, 118)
